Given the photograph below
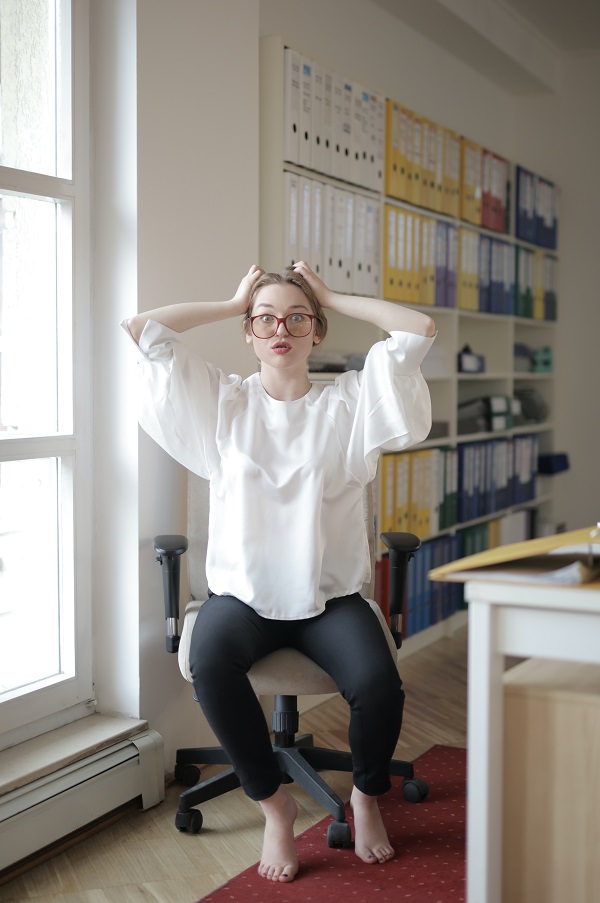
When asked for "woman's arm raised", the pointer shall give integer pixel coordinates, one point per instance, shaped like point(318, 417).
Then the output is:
point(387, 315)
point(180, 317)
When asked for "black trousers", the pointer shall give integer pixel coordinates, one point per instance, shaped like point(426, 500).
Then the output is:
point(346, 641)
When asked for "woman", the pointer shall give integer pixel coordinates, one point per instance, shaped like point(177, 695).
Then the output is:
point(287, 551)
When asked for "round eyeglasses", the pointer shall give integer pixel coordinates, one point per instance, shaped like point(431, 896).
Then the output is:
point(265, 326)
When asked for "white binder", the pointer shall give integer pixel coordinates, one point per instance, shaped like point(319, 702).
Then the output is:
point(317, 227)
point(337, 126)
point(318, 117)
point(291, 79)
point(360, 282)
point(305, 219)
point(306, 125)
point(291, 190)
point(329, 204)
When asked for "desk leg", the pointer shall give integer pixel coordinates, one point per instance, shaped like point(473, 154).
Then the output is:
point(484, 781)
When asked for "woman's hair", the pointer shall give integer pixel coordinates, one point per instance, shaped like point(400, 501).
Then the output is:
point(288, 277)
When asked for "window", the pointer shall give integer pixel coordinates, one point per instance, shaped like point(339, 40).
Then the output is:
point(45, 642)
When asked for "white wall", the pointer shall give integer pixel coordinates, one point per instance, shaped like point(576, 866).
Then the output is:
point(176, 200)
point(560, 136)
point(176, 182)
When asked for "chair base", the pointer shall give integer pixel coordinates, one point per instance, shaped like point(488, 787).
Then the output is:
point(299, 761)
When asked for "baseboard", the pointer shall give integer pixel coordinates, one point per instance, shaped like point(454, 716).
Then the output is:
point(41, 811)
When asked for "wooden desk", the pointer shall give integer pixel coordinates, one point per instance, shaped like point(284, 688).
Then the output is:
point(518, 619)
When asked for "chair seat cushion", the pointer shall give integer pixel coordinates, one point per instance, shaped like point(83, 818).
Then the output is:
point(285, 672)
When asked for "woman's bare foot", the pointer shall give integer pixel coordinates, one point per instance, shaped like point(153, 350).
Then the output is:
point(279, 861)
point(371, 842)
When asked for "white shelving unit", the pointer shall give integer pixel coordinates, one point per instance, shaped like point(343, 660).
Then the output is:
point(492, 335)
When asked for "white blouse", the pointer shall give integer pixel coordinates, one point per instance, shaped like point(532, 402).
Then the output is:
point(286, 525)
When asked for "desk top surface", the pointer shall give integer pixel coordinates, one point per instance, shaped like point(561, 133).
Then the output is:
point(509, 563)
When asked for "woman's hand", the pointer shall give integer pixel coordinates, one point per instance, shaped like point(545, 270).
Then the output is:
point(322, 293)
point(241, 299)
point(387, 315)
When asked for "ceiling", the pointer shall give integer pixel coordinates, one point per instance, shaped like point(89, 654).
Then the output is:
point(518, 44)
point(571, 26)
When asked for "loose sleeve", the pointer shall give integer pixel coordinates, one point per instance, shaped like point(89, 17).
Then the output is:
point(393, 408)
point(178, 398)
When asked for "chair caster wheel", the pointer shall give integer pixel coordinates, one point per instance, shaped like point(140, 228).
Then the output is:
point(339, 835)
point(414, 790)
point(188, 775)
point(189, 822)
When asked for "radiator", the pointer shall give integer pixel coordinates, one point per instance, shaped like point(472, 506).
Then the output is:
point(48, 809)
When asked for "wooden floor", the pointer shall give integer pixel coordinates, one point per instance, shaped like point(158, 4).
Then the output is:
point(142, 858)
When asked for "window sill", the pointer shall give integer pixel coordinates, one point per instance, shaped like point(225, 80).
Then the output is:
point(41, 756)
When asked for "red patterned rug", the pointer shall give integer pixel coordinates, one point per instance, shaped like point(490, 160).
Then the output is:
point(429, 839)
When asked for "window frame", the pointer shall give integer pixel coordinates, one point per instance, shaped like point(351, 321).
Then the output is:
point(60, 701)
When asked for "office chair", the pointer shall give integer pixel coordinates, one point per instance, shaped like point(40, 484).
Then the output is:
point(284, 674)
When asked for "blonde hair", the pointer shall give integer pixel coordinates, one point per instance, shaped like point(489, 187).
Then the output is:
point(288, 277)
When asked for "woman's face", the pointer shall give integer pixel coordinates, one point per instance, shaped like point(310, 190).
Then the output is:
point(282, 350)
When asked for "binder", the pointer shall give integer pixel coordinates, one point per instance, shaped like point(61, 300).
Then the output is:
point(392, 149)
point(439, 168)
point(525, 217)
point(441, 263)
point(509, 302)
point(500, 194)
point(484, 273)
point(329, 203)
point(408, 269)
point(374, 242)
point(317, 232)
point(452, 174)
point(550, 291)
point(470, 181)
point(416, 160)
point(390, 260)
point(428, 249)
point(291, 203)
point(318, 119)
point(428, 165)
point(360, 140)
point(305, 223)
point(378, 143)
point(337, 127)
point(306, 94)
point(347, 130)
point(402, 505)
point(343, 236)
point(292, 102)
point(416, 258)
point(327, 127)
point(495, 276)
point(417, 477)
point(468, 282)
point(487, 205)
point(371, 256)
point(402, 276)
point(360, 281)
point(387, 494)
point(405, 155)
point(545, 220)
point(452, 278)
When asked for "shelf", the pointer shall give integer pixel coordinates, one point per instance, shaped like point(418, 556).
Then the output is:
point(481, 377)
point(532, 376)
point(488, 333)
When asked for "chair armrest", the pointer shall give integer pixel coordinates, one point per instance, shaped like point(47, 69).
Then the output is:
point(402, 548)
point(169, 550)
